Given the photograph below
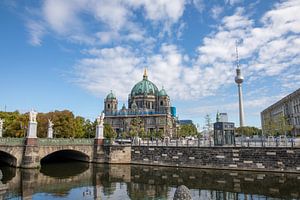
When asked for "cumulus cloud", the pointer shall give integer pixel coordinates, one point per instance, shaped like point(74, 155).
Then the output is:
point(216, 11)
point(36, 31)
point(267, 50)
point(110, 19)
point(264, 51)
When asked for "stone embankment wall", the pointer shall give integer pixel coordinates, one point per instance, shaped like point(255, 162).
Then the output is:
point(234, 158)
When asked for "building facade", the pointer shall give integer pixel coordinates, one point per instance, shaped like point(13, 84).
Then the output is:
point(288, 107)
point(223, 130)
point(145, 102)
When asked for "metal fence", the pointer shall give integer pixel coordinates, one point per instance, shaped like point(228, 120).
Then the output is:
point(12, 141)
point(64, 141)
point(209, 143)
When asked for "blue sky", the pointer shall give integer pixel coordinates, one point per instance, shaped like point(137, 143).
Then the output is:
point(58, 55)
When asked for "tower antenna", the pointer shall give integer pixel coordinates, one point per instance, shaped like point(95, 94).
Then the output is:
point(237, 54)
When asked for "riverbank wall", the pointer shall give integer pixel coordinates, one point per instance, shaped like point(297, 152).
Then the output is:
point(276, 159)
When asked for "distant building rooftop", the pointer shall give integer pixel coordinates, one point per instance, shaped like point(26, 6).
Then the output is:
point(186, 121)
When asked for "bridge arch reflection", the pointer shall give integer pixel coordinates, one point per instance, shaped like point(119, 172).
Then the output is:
point(65, 155)
point(7, 159)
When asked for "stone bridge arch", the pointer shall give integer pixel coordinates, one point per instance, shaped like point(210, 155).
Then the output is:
point(8, 158)
point(61, 153)
point(11, 155)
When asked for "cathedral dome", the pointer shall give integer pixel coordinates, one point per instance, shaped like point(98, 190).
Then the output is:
point(162, 92)
point(111, 95)
point(144, 87)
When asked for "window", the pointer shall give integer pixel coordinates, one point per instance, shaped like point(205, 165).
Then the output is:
point(108, 106)
point(161, 103)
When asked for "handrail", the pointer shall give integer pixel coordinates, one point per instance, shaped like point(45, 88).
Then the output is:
point(11, 141)
point(64, 141)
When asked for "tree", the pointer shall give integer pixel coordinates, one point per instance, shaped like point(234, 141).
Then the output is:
point(248, 131)
point(269, 127)
point(208, 125)
point(65, 124)
point(187, 130)
point(283, 126)
point(109, 132)
point(158, 134)
point(137, 128)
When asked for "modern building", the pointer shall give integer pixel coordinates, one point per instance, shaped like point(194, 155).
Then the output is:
point(223, 131)
point(288, 107)
point(222, 117)
point(146, 102)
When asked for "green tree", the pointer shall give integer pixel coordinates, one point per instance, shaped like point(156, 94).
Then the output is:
point(109, 132)
point(158, 134)
point(137, 128)
point(248, 131)
point(187, 130)
point(283, 127)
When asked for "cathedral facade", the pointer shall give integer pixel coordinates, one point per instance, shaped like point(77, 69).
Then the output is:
point(146, 102)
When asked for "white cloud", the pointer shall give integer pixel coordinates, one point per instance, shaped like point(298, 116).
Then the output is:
point(268, 49)
point(36, 31)
point(199, 4)
point(109, 69)
point(233, 2)
point(216, 11)
point(110, 19)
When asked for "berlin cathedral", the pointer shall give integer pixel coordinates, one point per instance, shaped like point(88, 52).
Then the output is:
point(146, 102)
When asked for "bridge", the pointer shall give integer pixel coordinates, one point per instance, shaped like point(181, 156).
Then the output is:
point(31, 152)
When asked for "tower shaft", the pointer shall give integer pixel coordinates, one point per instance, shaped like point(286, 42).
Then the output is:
point(241, 105)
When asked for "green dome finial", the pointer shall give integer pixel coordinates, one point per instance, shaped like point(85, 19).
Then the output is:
point(162, 92)
point(111, 95)
point(145, 76)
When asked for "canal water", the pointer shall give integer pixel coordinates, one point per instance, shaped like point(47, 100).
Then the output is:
point(76, 180)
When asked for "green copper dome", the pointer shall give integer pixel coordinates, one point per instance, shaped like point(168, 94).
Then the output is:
point(162, 92)
point(144, 87)
point(111, 95)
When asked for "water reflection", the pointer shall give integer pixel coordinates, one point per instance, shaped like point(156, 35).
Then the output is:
point(76, 180)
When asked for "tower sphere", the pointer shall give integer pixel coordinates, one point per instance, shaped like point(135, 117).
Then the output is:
point(239, 78)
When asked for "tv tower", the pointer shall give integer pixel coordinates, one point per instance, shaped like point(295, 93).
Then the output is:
point(239, 80)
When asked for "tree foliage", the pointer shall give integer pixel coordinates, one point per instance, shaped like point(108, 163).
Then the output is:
point(109, 132)
point(277, 126)
point(187, 130)
point(248, 131)
point(66, 125)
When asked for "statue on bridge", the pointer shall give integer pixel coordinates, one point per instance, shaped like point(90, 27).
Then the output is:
point(1, 123)
point(1, 126)
point(50, 123)
point(32, 116)
point(32, 126)
point(50, 129)
point(100, 119)
point(99, 127)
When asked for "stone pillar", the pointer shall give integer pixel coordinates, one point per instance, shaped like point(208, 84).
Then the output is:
point(29, 179)
point(99, 156)
point(31, 158)
point(50, 132)
point(32, 129)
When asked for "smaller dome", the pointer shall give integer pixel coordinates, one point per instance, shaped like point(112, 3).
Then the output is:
point(162, 92)
point(111, 95)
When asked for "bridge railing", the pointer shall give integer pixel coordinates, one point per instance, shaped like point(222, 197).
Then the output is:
point(12, 141)
point(207, 143)
point(64, 141)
